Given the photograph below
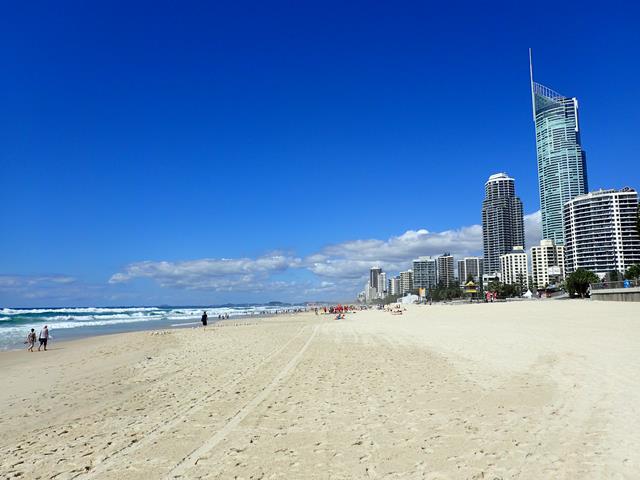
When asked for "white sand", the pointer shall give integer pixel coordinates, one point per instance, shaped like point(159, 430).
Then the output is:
point(527, 390)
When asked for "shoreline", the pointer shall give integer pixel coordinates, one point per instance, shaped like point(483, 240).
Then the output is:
point(69, 334)
point(95, 338)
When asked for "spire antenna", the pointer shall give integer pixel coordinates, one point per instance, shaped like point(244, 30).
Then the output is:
point(533, 98)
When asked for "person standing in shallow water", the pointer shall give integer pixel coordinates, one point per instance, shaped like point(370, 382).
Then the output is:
point(44, 338)
point(204, 319)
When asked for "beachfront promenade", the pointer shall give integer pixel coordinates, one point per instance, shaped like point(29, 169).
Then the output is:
point(527, 390)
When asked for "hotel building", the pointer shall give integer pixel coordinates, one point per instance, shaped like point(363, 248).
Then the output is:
point(406, 282)
point(470, 266)
point(547, 263)
point(425, 272)
point(514, 268)
point(600, 231)
point(446, 275)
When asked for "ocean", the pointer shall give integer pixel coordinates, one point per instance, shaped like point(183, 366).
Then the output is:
point(71, 323)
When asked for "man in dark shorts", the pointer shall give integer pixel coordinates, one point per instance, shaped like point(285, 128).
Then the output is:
point(204, 319)
point(44, 338)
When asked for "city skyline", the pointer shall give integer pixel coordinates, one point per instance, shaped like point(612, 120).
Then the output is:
point(161, 169)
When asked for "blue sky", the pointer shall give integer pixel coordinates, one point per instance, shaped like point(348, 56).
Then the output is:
point(198, 153)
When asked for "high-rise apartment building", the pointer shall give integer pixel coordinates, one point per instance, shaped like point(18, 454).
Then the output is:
point(470, 266)
point(382, 285)
point(394, 285)
point(446, 274)
point(514, 268)
point(370, 293)
point(562, 164)
point(502, 220)
point(600, 231)
point(406, 282)
point(425, 272)
point(373, 276)
point(547, 263)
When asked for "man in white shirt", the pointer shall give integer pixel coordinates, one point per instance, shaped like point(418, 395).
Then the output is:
point(44, 338)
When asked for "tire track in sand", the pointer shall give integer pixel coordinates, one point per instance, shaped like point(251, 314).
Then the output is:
point(174, 421)
point(192, 459)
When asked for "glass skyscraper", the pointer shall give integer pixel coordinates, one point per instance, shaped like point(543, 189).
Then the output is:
point(562, 169)
point(502, 220)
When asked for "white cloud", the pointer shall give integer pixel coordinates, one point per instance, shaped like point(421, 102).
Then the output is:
point(222, 274)
point(25, 281)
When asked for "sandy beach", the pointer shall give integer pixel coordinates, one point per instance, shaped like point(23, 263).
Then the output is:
point(526, 390)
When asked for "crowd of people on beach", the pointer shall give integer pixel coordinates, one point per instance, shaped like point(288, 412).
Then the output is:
point(43, 338)
point(338, 310)
point(225, 316)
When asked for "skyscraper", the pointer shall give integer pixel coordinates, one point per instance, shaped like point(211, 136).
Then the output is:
point(425, 272)
point(600, 231)
point(394, 285)
point(373, 277)
point(446, 275)
point(502, 221)
point(562, 163)
point(547, 263)
point(513, 267)
point(469, 266)
point(406, 282)
point(382, 285)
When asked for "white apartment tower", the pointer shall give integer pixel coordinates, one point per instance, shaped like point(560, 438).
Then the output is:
point(370, 293)
point(600, 231)
point(470, 266)
point(406, 282)
point(446, 275)
point(514, 268)
point(382, 285)
point(547, 263)
point(394, 285)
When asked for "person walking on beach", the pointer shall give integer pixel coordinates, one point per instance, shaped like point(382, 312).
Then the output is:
point(44, 338)
point(204, 319)
point(31, 339)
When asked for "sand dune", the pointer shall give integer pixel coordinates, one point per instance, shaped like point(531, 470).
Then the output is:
point(525, 390)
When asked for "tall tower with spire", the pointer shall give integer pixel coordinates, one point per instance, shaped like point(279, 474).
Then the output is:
point(562, 163)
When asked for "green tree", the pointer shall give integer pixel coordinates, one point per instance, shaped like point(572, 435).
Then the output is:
point(505, 290)
point(633, 272)
point(511, 290)
point(578, 282)
point(614, 276)
point(442, 292)
point(494, 286)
